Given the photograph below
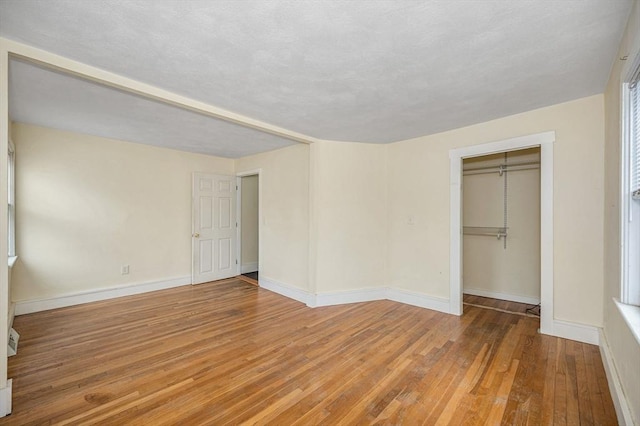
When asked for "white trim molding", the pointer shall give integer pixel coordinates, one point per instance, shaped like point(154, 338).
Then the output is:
point(31, 306)
point(574, 331)
point(348, 296)
point(502, 296)
point(545, 142)
point(74, 68)
point(285, 290)
point(623, 412)
point(417, 299)
point(5, 399)
point(355, 296)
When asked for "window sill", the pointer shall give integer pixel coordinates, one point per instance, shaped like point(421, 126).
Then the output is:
point(631, 315)
point(12, 261)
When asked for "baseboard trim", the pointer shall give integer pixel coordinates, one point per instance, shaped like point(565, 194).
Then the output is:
point(420, 300)
point(615, 386)
point(5, 399)
point(285, 290)
point(578, 332)
point(349, 296)
point(31, 306)
point(356, 296)
point(502, 296)
point(249, 267)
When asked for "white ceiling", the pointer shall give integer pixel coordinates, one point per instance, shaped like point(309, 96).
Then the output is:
point(360, 70)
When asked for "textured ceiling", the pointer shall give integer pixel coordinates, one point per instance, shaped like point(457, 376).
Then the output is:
point(59, 101)
point(360, 70)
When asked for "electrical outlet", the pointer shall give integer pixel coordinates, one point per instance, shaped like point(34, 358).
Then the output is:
point(124, 270)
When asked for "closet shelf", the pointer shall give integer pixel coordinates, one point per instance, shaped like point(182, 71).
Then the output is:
point(490, 231)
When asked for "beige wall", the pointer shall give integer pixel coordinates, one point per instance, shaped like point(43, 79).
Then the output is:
point(488, 267)
point(284, 203)
point(419, 187)
point(88, 205)
point(625, 349)
point(249, 221)
point(349, 222)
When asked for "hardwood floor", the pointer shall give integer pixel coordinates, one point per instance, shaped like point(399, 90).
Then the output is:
point(232, 353)
point(498, 304)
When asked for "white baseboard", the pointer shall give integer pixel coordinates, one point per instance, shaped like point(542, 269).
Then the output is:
point(349, 296)
point(249, 267)
point(420, 300)
point(355, 296)
point(615, 387)
point(578, 332)
point(502, 296)
point(285, 290)
point(30, 306)
point(5, 399)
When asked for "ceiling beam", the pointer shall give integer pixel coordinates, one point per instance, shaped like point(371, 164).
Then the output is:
point(52, 61)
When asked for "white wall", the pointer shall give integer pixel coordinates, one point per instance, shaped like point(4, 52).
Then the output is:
point(488, 268)
point(249, 221)
point(284, 204)
point(419, 187)
point(349, 220)
point(88, 205)
point(624, 347)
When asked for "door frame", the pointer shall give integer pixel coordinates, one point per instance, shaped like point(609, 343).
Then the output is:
point(545, 142)
point(239, 176)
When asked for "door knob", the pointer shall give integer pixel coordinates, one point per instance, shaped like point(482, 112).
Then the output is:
point(196, 235)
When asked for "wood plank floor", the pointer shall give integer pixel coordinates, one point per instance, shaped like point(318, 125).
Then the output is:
point(504, 305)
point(232, 353)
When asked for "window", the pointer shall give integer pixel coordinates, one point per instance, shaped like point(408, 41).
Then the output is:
point(630, 292)
point(11, 217)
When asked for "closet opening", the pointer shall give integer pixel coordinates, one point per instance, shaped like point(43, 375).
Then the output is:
point(501, 231)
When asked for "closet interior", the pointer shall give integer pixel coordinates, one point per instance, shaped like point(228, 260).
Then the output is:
point(501, 230)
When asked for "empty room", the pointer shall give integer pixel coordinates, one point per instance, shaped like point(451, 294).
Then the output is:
point(320, 212)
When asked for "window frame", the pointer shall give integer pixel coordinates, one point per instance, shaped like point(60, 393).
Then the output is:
point(630, 206)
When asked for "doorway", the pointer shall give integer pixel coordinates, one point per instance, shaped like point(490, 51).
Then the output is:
point(545, 142)
point(249, 226)
point(501, 231)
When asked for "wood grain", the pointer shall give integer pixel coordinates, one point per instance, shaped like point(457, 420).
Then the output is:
point(229, 352)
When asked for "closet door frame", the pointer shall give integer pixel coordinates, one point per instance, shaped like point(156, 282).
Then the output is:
point(545, 142)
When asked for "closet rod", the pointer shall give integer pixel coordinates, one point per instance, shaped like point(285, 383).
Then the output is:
point(502, 166)
point(488, 231)
point(497, 169)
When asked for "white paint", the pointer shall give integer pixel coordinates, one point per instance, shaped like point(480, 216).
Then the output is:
point(5, 293)
point(59, 101)
point(349, 296)
point(573, 331)
point(95, 295)
point(407, 56)
point(623, 413)
point(214, 232)
point(355, 296)
point(286, 290)
point(631, 315)
point(5, 399)
point(418, 299)
point(502, 296)
point(545, 141)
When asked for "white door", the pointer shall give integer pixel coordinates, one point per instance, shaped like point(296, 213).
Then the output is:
point(214, 227)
